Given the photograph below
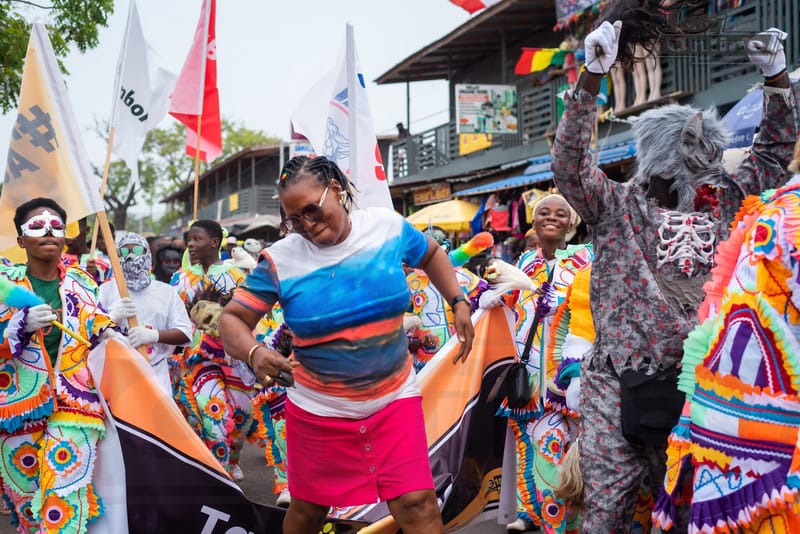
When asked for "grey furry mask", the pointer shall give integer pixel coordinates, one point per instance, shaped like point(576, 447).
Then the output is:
point(683, 145)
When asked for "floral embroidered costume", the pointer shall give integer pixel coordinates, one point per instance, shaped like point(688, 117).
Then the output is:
point(650, 264)
point(269, 405)
point(436, 314)
point(210, 391)
point(542, 434)
point(50, 414)
point(740, 430)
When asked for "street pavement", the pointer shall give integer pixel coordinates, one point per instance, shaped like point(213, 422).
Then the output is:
point(257, 485)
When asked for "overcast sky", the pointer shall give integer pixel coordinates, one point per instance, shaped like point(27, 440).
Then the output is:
point(268, 53)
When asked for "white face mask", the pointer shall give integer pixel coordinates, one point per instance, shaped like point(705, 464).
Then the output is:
point(42, 224)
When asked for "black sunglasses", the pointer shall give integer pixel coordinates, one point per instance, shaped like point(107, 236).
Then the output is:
point(312, 213)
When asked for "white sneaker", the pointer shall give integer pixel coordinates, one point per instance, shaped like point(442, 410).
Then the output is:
point(236, 472)
point(520, 525)
point(284, 499)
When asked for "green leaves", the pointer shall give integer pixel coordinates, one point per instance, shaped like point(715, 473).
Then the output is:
point(71, 23)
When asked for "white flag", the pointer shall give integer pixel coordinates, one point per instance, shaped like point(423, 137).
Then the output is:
point(142, 93)
point(334, 115)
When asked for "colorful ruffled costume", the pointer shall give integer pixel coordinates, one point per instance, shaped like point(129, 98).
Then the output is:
point(542, 435)
point(50, 415)
point(210, 392)
point(269, 405)
point(436, 315)
point(738, 434)
point(102, 262)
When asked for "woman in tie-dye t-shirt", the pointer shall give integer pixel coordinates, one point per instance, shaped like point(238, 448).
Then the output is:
point(354, 426)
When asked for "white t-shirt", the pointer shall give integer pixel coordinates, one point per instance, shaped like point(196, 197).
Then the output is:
point(159, 306)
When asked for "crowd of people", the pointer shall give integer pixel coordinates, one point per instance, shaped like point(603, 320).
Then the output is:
point(661, 355)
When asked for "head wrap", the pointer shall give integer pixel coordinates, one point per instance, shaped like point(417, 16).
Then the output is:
point(135, 268)
point(574, 219)
point(440, 236)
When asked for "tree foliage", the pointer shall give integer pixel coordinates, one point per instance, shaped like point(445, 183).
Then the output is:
point(71, 23)
point(164, 165)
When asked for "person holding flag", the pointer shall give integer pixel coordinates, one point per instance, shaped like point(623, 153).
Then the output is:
point(165, 323)
point(50, 414)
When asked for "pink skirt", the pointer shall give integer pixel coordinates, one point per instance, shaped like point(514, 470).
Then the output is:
point(334, 461)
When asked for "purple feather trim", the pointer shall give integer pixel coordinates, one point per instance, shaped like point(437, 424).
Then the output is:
point(482, 286)
point(276, 339)
point(22, 338)
point(72, 391)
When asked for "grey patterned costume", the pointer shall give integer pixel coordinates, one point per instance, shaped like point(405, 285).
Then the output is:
point(639, 326)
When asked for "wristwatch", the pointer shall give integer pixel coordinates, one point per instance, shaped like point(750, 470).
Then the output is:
point(457, 299)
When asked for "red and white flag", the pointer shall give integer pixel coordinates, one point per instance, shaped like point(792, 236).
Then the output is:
point(196, 95)
point(334, 116)
point(475, 5)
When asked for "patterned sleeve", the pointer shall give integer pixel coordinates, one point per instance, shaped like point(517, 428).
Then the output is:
point(765, 168)
point(415, 244)
point(585, 186)
point(261, 289)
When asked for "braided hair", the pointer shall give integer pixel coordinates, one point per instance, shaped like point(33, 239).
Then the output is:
point(323, 170)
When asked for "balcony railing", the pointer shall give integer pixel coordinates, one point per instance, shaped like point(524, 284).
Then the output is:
point(707, 66)
point(251, 201)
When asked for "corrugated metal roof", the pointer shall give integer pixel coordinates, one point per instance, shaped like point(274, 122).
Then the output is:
point(539, 170)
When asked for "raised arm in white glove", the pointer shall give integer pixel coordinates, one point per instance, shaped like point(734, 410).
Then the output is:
point(604, 38)
point(142, 335)
point(766, 51)
point(122, 309)
point(38, 317)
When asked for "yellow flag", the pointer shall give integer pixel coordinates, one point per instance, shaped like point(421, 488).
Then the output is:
point(46, 156)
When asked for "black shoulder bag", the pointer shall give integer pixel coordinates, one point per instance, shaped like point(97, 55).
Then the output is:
point(651, 405)
point(514, 381)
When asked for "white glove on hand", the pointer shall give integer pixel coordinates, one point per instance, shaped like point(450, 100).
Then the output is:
point(123, 309)
point(38, 317)
point(765, 50)
point(574, 394)
point(491, 298)
point(142, 335)
point(605, 38)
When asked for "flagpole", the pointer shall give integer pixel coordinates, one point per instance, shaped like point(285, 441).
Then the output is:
point(103, 183)
point(197, 163)
point(352, 118)
point(200, 101)
point(101, 220)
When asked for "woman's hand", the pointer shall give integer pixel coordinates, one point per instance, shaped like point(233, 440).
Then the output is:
point(464, 331)
point(270, 366)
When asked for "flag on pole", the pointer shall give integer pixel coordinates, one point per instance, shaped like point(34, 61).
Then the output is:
point(46, 155)
point(474, 5)
point(335, 117)
point(196, 91)
point(141, 95)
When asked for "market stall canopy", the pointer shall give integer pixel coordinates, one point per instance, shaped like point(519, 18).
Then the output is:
point(451, 216)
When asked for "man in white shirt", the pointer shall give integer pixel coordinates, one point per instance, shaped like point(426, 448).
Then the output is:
point(163, 320)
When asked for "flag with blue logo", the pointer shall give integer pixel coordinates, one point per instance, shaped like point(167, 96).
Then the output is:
point(335, 117)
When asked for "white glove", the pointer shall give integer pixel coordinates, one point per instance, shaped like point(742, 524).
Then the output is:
point(574, 394)
point(606, 38)
point(142, 335)
point(766, 51)
point(123, 309)
point(38, 317)
point(491, 298)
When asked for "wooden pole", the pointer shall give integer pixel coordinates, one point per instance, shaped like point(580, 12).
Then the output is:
point(197, 164)
point(103, 184)
point(119, 278)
